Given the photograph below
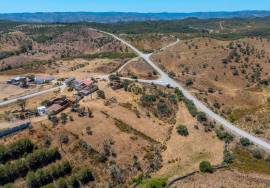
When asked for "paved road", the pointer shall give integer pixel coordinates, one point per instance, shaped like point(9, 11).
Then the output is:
point(31, 95)
point(165, 80)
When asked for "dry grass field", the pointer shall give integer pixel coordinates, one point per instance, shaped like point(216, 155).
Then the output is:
point(149, 42)
point(138, 68)
point(123, 123)
point(224, 178)
point(231, 77)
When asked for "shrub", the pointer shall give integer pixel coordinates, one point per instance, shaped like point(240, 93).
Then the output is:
point(173, 98)
point(101, 94)
point(211, 90)
point(257, 154)
point(179, 94)
point(114, 77)
point(61, 183)
point(84, 176)
point(201, 116)
point(244, 142)
point(228, 157)
point(182, 130)
point(222, 135)
point(64, 138)
point(191, 107)
point(206, 166)
point(72, 182)
point(125, 84)
point(189, 82)
point(148, 99)
point(63, 117)
point(267, 158)
point(163, 109)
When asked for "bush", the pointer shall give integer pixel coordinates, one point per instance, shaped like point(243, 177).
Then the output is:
point(163, 109)
point(101, 94)
point(147, 100)
point(114, 77)
point(189, 82)
point(84, 176)
point(61, 183)
point(201, 116)
point(206, 166)
point(245, 142)
point(191, 107)
point(225, 136)
point(257, 154)
point(64, 138)
point(228, 157)
point(179, 94)
point(72, 182)
point(267, 158)
point(182, 130)
point(173, 98)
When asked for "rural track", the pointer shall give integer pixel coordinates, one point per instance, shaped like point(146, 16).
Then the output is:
point(10, 101)
point(166, 80)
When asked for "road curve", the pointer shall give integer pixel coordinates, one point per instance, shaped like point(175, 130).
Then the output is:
point(165, 80)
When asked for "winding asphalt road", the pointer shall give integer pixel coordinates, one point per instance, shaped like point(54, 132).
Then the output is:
point(166, 80)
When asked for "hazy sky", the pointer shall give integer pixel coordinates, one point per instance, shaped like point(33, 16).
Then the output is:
point(9, 6)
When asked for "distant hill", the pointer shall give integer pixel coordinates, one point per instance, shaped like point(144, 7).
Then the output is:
point(111, 17)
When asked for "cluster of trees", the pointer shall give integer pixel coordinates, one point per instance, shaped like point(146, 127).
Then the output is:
point(82, 177)
point(19, 168)
point(163, 109)
point(191, 107)
point(45, 176)
point(148, 100)
point(109, 55)
point(15, 150)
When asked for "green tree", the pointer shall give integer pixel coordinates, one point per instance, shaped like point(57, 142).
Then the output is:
point(244, 142)
point(84, 176)
point(182, 130)
point(61, 183)
point(64, 118)
point(206, 166)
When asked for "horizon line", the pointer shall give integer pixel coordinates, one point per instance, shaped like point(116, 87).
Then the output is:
point(138, 12)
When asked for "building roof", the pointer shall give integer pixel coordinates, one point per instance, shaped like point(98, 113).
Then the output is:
point(54, 108)
point(87, 82)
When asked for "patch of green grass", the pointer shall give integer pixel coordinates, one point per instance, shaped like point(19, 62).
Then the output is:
point(246, 163)
point(237, 114)
point(153, 183)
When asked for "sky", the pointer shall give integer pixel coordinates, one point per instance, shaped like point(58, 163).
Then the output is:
point(15, 6)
